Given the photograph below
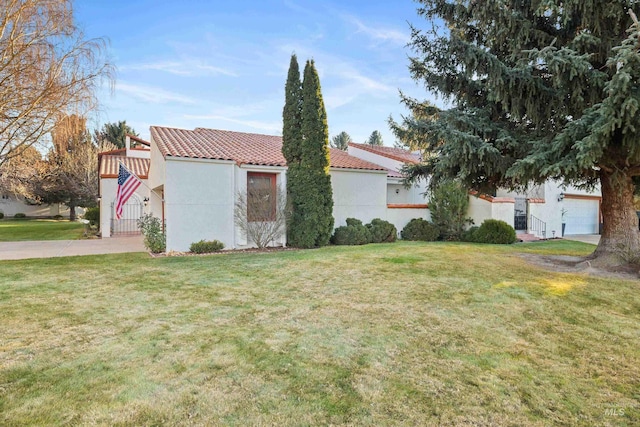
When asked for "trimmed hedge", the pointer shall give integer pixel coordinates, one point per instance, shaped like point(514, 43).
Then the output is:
point(494, 231)
point(382, 231)
point(354, 233)
point(420, 229)
point(20, 215)
point(1, 215)
point(206, 246)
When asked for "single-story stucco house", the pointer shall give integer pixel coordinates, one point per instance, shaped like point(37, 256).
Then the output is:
point(540, 211)
point(192, 179)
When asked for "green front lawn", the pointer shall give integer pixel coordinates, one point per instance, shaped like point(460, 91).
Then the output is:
point(18, 230)
point(389, 334)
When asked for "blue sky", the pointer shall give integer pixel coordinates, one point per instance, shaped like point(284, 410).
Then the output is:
point(219, 64)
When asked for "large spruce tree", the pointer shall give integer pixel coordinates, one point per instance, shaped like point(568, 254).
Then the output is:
point(306, 148)
point(538, 90)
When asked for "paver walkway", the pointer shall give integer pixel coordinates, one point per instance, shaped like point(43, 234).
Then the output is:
point(59, 248)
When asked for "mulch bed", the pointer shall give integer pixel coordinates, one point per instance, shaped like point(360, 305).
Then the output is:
point(225, 252)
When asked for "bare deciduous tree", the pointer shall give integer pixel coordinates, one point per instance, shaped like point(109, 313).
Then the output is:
point(46, 68)
point(261, 213)
point(20, 175)
point(71, 175)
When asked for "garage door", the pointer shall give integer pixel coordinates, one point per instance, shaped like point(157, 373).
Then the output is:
point(582, 216)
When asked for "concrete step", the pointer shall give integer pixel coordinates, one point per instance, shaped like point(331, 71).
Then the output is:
point(527, 237)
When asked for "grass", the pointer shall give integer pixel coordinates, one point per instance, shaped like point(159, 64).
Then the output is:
point(389, 334)
point(20, 230)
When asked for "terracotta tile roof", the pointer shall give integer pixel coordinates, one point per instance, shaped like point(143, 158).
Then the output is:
point(394, 174)
point(109, 166)
point(398, 154)
point(341, 159)
point(240, 147)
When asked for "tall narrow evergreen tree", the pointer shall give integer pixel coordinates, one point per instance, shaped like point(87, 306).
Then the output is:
point(292, 115)
point(305, 146)
point(315, 159)
point(540, 90)
point(292, 149)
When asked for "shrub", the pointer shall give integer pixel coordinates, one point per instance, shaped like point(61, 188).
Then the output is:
point(154, 237)
point(354, 233)
point(57, 217)
point(206, 246)
point(92, 215)
point(382, 231)
point(448, 204)
point(496, 232)
point(19, 215)
point(1, 215)
point(468, 235)
point(420, 229)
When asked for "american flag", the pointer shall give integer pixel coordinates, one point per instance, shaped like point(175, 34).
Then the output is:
point(128, 183)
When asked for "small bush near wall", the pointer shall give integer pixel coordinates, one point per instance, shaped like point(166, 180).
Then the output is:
point(92, 215)
point(448, 204)
point(57, 217)
point(420, 229)
point(19, 216)
point(354, 233)
point(494, 231)
point(154, 237)
point(382, 231)
point(1, 215)
point(206, 246)
point(468, 235)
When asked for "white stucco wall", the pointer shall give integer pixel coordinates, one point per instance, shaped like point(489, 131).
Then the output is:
point(397, 193)
point(479, 210)
point(503, 212)
point(400, 217)
point(12, 205)
point(358, 194)
point(157, 168)
point(199, 199)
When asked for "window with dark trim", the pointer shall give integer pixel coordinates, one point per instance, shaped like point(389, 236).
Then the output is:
point(261, 196)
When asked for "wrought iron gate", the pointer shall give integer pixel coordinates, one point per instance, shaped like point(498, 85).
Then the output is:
point(131, 212)
point(520, 218)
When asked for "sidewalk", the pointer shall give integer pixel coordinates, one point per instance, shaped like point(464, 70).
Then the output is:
point(60, 248)
point(594, 239)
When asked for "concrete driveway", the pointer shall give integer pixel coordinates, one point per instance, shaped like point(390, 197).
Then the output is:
point(594, 239)
point(60, 248)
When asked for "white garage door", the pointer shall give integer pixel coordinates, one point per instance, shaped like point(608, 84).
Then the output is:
point(581, 216)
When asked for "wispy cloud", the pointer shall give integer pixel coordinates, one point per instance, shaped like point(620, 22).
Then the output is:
point(152, 94)
point(377, 33)
point(185, 68)
point(363, 82)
